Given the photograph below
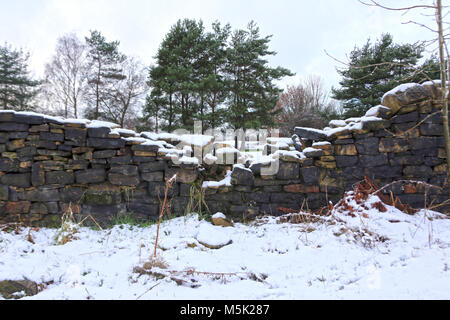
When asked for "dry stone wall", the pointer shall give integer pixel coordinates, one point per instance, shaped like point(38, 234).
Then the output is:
point(49, 164)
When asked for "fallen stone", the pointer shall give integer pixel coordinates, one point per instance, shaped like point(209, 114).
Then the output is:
point(219, 219)
point(212, 237)
point(16, 289)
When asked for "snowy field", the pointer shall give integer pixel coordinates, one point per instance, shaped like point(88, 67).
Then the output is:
point(369, 254)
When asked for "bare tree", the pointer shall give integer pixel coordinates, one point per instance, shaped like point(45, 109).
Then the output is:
point(126, 95)
point(441, 37)
point(65, 75)
point(304, 105)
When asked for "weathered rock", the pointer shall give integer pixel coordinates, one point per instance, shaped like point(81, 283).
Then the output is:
point(417, 171)
point(120, 160)
point(373, 160)
point(153, 176)
point(42, 194)
point(16, 289)
point(242, 176)
point(22, 180)
point(76, 135)
point(312, 152)
point(405, 95)
point(102, 143)
point(407, 117)
point(59, 177)
point(13, 145)
point(37, 174)
point(212, 237)
point(26, 153)
point(149, 210)
point(310, 133)
point(101, 132)
point(103, 154)
point(367, 145)
point(300, 188)
point(424, 143)
point(90, 176)
point(107, 196)
point(12, 126)
point(219, 219)
point(183, 175)
point(126, 170)
point(157, 189)
point(288, 170)
point(51, 136)
point(345, 150)
point(123, 180)
point(431, 129)
point(38, 208)
point(4, 192)
point(17, 207)
point(8, 165)
point(71, 194)
point(39, 128)
point(346, 161)
point(393, 145)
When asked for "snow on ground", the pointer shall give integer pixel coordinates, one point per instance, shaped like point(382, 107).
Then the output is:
point(368, 254)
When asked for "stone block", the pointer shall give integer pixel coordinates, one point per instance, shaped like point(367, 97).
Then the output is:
point(102, 143)
point(101, 132)
point(422, 171)
point(59, 177)
point(90, 176)
point(51, 136)
point(42, 194)
point(153, 176)
point(367, 145)
point(76, 135)
point(123, 180)
point(345, 150)
point(21, 180)
point(12, 126)
point(127, 170)
point(288, 170)
point(242, 176)
point(373, 160)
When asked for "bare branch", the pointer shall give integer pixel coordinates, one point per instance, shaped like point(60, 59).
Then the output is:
point(376, 4)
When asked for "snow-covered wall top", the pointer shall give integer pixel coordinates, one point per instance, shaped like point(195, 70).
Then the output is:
point(49, 164)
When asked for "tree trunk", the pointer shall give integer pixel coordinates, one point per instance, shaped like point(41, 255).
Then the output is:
point(444, 88)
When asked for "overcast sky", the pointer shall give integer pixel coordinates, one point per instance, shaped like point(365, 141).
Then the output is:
point(302, 29)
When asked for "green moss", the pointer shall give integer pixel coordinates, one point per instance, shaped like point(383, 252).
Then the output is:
point(102, 197)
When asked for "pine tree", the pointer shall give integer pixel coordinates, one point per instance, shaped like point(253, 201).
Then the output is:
point(374, 70)
point(17, 89)
point(212, 87)
point(253, 95)
point(178, 73)
point(201, 75)
point(104, 64)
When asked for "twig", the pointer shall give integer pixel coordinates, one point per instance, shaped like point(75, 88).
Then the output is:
point(168, 185)
point(148, 290)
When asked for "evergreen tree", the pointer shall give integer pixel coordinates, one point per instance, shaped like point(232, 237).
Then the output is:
point(253, 95)
point(213, 84)
point(200, 75)
point(374, 70)
point(104, 65)
point(17, 89)
point(177, 72)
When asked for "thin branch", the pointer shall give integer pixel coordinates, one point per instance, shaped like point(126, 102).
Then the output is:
point(376, 4)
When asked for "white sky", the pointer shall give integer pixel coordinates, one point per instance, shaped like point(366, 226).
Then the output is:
point(301, 29)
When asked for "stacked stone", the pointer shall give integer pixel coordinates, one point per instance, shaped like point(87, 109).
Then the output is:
point(48, 165)
point(399, 140)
